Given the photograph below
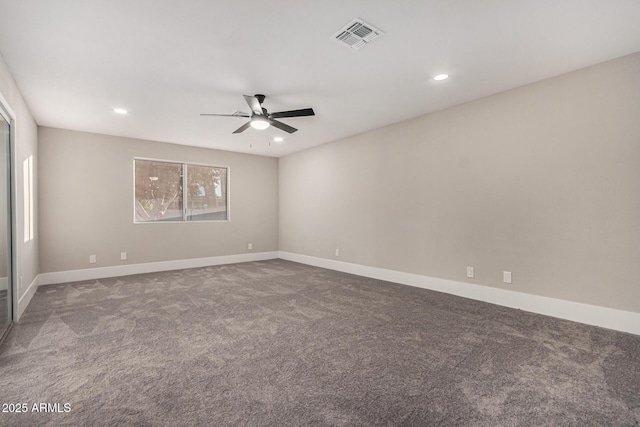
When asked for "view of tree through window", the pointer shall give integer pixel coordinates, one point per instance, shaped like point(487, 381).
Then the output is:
point(162, 192)
point(207, 193)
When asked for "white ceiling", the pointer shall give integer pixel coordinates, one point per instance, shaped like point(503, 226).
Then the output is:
point(166, 61)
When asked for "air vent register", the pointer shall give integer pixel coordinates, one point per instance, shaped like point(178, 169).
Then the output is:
point(357, 34)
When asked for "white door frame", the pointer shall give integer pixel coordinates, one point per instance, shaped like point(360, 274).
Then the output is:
point(6, 110)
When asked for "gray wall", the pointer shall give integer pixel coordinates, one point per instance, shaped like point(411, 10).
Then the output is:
point(26, 144)
point(543, 181)
point(86, 203)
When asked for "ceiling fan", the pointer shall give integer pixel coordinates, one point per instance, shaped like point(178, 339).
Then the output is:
point(260, 118)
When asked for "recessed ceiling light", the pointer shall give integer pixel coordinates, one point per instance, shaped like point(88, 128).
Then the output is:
point(441, 77)
point(278, 139)
point(120, 111)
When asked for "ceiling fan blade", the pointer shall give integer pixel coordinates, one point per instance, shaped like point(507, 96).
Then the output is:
point(243, 127)
point(282, 126)
point(243, 115)
point(254, 104)
point(293, 113)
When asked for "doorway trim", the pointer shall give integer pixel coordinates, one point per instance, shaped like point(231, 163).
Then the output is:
point(8, 111)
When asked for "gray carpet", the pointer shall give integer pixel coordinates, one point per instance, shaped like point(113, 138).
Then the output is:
point(277, 343)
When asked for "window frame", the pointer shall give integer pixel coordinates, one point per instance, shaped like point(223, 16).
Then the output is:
point(184, 165)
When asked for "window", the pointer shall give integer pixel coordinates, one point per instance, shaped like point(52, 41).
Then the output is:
point(206, 193)
point(168, 191)
point(27, 178)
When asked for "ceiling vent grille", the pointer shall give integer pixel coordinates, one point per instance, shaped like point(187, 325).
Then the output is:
point(357, 34)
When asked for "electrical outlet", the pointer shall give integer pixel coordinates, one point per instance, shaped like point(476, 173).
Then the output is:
point(123, 256)
point(20, 283)
point(249, 246)
point(470, 272)
point(92, 259)
point(337, 252)
point(506, 276)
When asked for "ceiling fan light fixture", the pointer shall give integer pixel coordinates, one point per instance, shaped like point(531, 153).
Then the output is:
point(259, 123)
point(261, 119)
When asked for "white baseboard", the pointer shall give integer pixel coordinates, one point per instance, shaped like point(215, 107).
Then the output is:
point(149, 267)
point(25, 299)
point(619, 320)
point(4, 283)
